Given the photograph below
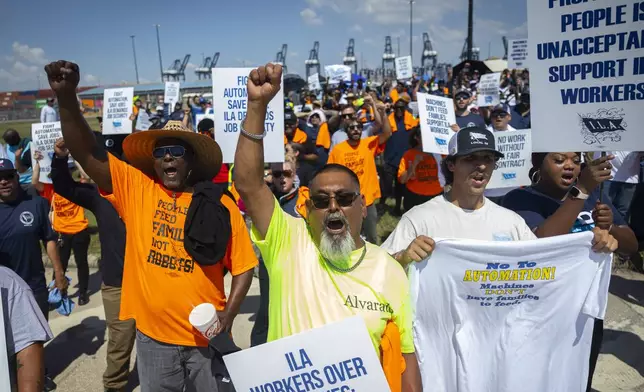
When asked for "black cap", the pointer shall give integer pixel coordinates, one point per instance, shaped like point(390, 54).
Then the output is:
point(472, 139)
point(290, 117)
point(6, 165)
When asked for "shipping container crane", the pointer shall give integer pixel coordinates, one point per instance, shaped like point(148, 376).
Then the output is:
point(430, 56)
point(177, 70)
point(388, 58)
point(313, 64)
point(475, 53)
point(505, 47)
point(280, 58)
point(205, 71)
point(350, 58)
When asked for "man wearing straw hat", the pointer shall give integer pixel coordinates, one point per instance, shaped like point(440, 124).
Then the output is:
point(181, 234)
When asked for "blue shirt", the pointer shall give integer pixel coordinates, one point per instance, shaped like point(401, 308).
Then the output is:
point(397, 144)
point(471, 120)
point(535, 207)
point(23, 224)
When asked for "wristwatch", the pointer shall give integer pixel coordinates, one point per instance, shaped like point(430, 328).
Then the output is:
point(576, 193)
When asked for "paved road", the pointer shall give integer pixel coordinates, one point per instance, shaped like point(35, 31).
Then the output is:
point(76, 356)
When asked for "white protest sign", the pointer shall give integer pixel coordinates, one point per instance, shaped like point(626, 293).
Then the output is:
point(517, 53)
point(314, 82)
point(43, 138)
point(5, 381)
point(229, 104)
point(436, 116)
point(338, 73)
point(201, 116)
point(414, 108)
point(172, 93)
point(117, 109)
point(489, 90)
point(586, 75)
point(143, 122)
point(404, 68)
point(513, 170)
point(337, 357)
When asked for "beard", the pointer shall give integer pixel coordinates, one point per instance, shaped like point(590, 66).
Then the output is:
point(337, 247)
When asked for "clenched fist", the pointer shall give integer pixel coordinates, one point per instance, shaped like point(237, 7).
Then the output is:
point(60, 149)
point(264, 83)
point(63, 77)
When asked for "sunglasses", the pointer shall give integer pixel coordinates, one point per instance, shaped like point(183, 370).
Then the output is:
point(462, 98)
point(280, 173)
point(499, 114)
point(352, 127)
point(347, 116)
point(322, 201)
point(7, 176)
point(174, 151)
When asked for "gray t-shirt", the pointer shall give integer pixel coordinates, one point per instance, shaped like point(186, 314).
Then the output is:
point(24, 323)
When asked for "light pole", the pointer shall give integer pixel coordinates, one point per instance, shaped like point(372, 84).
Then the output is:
point(470, 29)
point(411, 13)
point(136, 67)
point(159, 48)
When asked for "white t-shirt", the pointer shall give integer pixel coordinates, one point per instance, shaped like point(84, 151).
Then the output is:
point(483, 325)
point(626, 166)
point(438, 218)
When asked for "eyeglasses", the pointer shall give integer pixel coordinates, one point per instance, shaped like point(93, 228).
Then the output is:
point(352, 127)
point(323, 201)
point(280, 173)
point(174, 151)
point(7, 176)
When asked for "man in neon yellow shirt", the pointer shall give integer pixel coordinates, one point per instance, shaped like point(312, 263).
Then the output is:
point(320, 270)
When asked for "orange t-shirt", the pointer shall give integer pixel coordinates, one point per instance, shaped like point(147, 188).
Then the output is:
point(425, 182)
point(361, 160)
point(299, 137)
point(47, 192)
point(161, 282)
point(324, 137)
point(69, 218)
point(410, 121)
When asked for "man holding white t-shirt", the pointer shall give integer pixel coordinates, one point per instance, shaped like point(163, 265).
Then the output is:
point(464, 212)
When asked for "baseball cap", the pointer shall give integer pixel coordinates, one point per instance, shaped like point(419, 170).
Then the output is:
point(472, 139)
point(463, 91)
point(6, 165)
point(289, 117)
point(502, 107)
point(51, 99)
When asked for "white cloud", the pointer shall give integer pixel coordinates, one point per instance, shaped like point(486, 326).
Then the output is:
point(315, 3)
point(310, 17)
point(89, 78)
point(27, 54)
point(356, 28)
point(370, 41)
point(191, 66)
point(293, 54)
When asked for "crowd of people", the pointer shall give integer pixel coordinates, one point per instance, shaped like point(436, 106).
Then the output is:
point(173, 219)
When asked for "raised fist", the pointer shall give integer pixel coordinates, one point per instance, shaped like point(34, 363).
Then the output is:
point(60, 149)
point(63, 76)
point(264, 83)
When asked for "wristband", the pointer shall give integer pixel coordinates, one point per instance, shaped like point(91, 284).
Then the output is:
point(251, 135)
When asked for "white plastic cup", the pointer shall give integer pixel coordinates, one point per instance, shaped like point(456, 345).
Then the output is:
point(205, 319)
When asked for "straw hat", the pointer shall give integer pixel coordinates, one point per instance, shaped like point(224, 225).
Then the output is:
point(138, 149)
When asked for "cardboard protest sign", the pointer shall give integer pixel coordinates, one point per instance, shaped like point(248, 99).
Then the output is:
point(172, 93)
point(517, 53)
point(404, 68)
point(117, 110)
point(436, 116)
point(5, 384)
point(586, 75)
point(314, 82)
point(336, 357)
point(514, 169)
point(229, 104)
point(338, 73)
point(43, 138)
point(489, 89)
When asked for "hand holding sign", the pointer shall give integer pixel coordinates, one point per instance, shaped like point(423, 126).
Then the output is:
point(596, 172)
point(264, 83)
point(603, 216)
point(63, 77)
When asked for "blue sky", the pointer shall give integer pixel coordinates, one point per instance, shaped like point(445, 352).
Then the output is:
point(96, 34)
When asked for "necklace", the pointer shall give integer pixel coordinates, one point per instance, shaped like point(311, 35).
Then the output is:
point(346, 270)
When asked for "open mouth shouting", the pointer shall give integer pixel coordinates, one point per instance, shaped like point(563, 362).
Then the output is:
point(170, 172)
point(567, 179)
point(479, 180)
point(335, 224)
